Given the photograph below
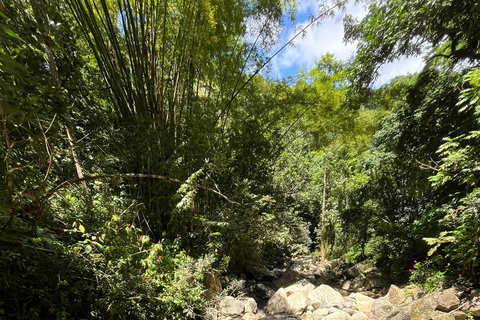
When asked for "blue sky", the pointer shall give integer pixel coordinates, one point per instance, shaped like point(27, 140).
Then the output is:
point(326, 38)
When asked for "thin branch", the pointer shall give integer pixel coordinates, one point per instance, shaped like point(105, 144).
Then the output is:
point(426, 166)
point(131, 175)
point(302, 31)
point(304, 112)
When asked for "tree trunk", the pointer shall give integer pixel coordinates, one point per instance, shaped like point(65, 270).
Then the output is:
point(52, 65)
point(323, 246)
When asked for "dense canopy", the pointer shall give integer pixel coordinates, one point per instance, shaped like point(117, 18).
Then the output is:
point(143, 147)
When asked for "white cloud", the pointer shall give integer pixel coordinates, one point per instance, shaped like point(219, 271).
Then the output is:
point(306, 6)
point(328, 38)
point(400, 67)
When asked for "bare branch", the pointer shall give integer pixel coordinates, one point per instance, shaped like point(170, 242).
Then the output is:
point(131, 175)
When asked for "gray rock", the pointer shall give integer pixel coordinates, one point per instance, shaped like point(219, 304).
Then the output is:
point(447, 301)
point(322, 312)
point(210, 314)
point(403, 314)
point(474, 310)
point(352, 273)
point(375, 279)
point(262, 273)
point(474, 294)
point(357, 284)
point(346, 285)
point(459, 315)
point(395, 295)
point(261, 291)
point(292, 302)
point(350, 311)
point(278, 272)
point(383, 310)
point(474, 306)
point(424, 308)
point(325, 297)
point(251, 316)
point(365, 266)
point(331, 272)
point(336, 267)
point(278, 302)
point(288, 278)
point(250, 305)
point(438, 315)
point(359, 316)
point(340, 315)
point(229, 306)
point(362, 303)
point(302, 286)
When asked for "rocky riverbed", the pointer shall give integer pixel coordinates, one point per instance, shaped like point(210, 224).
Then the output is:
point(334, 291)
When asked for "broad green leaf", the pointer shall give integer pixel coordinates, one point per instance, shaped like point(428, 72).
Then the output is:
point(10, 33)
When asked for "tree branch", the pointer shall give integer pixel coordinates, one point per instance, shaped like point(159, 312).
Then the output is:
point(130, 175)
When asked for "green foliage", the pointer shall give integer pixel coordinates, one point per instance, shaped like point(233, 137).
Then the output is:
point(429, 274)
point(395, 28)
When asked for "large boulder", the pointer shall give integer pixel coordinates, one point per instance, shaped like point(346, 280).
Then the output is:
point(330, 272)
point(376, 281)
point(303, 286)
point(383, 310)
point(458, 315)
point(292, 300)
point(325, 297)
point(361, 302)
point(231, 307)
point(395, 296)
point(473, 307)
point(403, 314)
point(365, 266)
point(357, 284)
point(340, 315)
point(289, 278)
point(263, 273)
point(261, 291)
point(424, 308)
point(250, 305)
point(278, 302)
point(438, 315)
point(447, 301)
point(351, 273)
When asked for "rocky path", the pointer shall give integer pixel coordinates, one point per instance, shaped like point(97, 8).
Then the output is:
point(334, 291)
